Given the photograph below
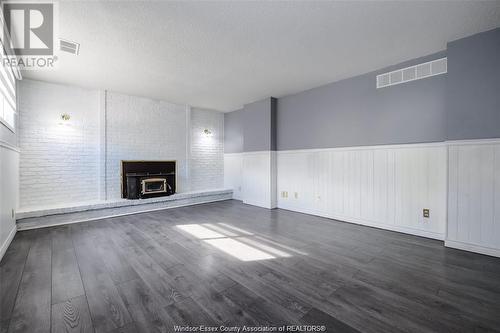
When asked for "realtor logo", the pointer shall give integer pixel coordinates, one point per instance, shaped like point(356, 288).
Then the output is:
point(29, 29)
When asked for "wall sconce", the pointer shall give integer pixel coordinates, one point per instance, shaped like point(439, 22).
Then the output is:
point(65, 117)
point(207, 132)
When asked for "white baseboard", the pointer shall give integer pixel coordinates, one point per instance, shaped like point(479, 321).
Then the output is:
point(259, 204)
point(372, 224)
point(404, 230)
point(7, 242)
point(472, 248)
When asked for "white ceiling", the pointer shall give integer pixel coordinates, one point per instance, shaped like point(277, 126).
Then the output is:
point(221, 55)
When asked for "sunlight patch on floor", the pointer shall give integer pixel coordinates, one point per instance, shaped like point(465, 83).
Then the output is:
point(264, 247)
point(200, 231)
point(236, 242)
point(239, 249)
point(288, 248)
point(223, 231)
point(244, 232)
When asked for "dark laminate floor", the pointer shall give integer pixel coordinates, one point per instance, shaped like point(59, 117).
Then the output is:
point(149, 272)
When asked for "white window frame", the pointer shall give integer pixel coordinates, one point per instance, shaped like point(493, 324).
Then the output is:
point(3, 121)
point(9, 74)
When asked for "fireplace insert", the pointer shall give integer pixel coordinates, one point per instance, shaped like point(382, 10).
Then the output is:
point(154, 185)
point(146, 179)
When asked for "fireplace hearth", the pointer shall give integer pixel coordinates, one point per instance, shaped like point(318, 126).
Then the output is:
point(147, 179)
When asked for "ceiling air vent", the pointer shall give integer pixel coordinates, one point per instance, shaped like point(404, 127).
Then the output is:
point(417, 72)
point(69, 46)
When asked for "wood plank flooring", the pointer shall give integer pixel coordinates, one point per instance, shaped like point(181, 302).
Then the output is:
point(231, 264)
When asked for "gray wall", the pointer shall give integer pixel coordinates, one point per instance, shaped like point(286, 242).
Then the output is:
point(353, 112)
point(473, 108)
point(463, 104)
point(259, 126)
point(233, 132)
point(252, 128)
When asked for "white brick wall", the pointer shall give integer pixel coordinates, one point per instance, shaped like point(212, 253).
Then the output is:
point(59, 161)
point(207, 152)
point(143, 129)
point(75, 162)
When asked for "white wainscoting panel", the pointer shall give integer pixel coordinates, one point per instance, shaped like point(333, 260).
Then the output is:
point(259, 179)
point(381, 186)
point(9, 194)
point(233, 174)
point(474, 196)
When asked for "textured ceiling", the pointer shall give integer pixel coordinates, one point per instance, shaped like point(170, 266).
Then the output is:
point(221, 55)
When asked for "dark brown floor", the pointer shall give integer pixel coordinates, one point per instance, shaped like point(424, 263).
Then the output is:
point(149, 272)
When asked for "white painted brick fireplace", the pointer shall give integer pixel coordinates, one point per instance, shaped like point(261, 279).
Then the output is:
point(78, 161)
point(143, 129)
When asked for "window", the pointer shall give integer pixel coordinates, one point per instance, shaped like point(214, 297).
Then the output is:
point(7, 95)
point(8, 110)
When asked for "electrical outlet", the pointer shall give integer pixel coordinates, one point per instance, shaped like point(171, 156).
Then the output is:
point(426, 213)
point(284, 194)
point(296, 195)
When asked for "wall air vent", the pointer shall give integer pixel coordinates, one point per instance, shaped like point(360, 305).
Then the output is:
point(69, 46)
point(417, 72)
